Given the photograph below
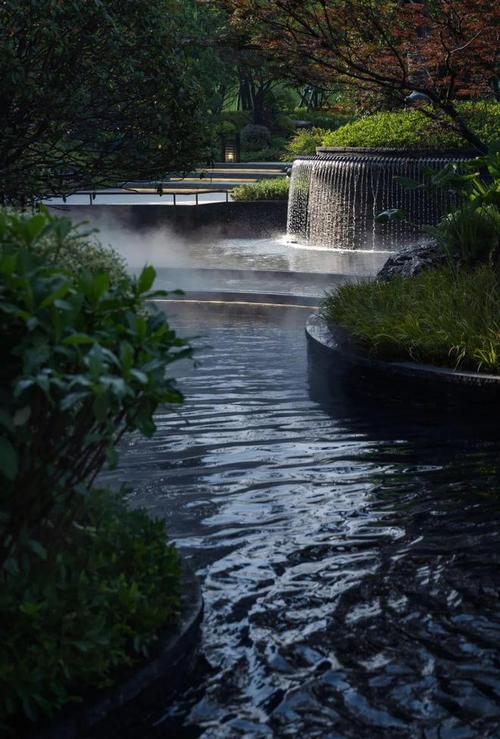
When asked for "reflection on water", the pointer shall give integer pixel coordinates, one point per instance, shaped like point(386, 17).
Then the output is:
point(349, 556)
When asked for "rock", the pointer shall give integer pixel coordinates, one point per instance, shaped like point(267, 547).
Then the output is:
point(412, 260)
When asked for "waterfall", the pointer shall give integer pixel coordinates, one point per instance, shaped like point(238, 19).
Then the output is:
point(335, 196)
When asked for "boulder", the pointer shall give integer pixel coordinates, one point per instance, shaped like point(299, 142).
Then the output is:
point(412, 260)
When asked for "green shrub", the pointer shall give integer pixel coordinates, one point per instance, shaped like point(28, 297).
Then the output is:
point(86, 363)
point(239, 118)
point(471, 236)
point(328, 120)
point(255, 137)
point(411, 129)
point(283, 124)
point(305, 142)
point(60, 243)
point(275, 189)
point(440, 317)
point(70, 619)
point(272, 153)
point(225, 128)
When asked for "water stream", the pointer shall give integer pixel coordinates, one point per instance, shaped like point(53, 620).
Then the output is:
point(349, 549)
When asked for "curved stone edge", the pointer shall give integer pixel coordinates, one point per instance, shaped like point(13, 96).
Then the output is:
point(175, 652)
point(337, 342)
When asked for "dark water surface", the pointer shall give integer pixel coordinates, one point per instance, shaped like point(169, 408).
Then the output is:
point(349, 551)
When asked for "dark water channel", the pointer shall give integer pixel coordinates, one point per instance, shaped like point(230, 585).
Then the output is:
point(349, 550)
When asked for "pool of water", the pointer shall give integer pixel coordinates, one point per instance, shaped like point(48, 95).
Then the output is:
point(349, 549)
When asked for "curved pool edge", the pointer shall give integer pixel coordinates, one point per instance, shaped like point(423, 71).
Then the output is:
point(336, 343)
point(173, 662)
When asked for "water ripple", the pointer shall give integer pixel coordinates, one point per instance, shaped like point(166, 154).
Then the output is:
point(350, 557)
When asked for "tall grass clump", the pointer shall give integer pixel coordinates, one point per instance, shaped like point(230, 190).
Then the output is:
point(441, 317)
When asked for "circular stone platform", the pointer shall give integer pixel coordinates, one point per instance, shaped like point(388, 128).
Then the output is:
point(337, 344)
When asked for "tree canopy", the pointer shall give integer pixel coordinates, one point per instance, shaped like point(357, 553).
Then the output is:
point(93, 92)
point(434, 50)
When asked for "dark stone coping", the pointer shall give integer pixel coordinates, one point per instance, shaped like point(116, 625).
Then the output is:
point(391, 151)
point(339, 344)
point(175, 657)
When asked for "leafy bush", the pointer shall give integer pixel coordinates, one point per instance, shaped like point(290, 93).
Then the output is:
point(284, 124)
point(225, 128)
point(71, 618)
point(328, 120)
point(471, 236)
point(275, 189)
point(255, 137)
point(60, 243)
point(440, 317)
point(86, 363)
point(305, 142)
point(272, 153)
point(238, 118)
point(411, 129)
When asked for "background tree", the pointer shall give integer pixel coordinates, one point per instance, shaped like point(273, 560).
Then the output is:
point(92, 93)
point(436, 51)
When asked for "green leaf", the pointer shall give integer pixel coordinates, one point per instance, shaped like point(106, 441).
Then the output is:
point(408, 184)
point(101, 406)
point(77, 339)
point(22, 415)
point(9, 462)
point(146, 279)
point(58, 293)
point(139, 376)
point(38, 549)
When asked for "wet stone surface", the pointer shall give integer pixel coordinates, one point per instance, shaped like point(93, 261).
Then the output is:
point(349, 551)
point(412, 260)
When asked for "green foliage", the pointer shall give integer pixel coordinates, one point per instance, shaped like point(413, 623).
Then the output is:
point(84, 584)
point(273, 153)
point(305, 142)
point(412, 129)
point(87, 363)
point(275, 189)
point(470, 236)
point(60, 243)
point(283, 124)
point(69, 619)
point(225, 128)
point(439, 317)
point(327, 120)
point(239, 118)
point(255, 137)
point(96, 92)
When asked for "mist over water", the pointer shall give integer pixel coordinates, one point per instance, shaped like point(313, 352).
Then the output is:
point(202, 261)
